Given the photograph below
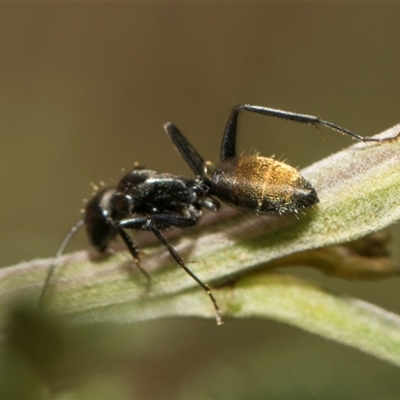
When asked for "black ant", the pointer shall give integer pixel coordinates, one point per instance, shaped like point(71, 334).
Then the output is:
point(148, 200)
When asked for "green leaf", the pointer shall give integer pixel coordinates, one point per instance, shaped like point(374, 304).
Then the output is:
point(283, 298)
point(359, 191)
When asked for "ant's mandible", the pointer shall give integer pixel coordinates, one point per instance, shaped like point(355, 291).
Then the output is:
point(148, 200)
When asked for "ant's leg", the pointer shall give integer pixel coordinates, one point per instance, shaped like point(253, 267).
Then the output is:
point(178, 259)
point(166, 220)
point(140, 223)
point(190, 155)
point(228, 147)
point(133, 249)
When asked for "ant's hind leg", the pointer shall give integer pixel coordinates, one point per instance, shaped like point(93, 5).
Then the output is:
point(228, 147)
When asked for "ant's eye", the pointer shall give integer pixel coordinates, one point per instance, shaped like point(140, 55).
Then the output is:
point(122, 203)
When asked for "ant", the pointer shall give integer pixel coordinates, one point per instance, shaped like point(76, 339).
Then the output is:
point(154, 201)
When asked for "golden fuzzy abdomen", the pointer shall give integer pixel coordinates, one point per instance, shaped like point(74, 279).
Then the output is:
point(261, 185)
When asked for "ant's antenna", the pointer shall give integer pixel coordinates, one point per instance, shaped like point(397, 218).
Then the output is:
point(56, 259)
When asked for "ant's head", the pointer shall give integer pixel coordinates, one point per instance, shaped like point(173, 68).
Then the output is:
point(97, 219)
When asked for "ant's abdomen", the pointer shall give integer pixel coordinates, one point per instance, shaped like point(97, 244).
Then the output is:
point(261, 185)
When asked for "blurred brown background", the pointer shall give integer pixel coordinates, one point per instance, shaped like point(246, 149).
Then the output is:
point(85, 89)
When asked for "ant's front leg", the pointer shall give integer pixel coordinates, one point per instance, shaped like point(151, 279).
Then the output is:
point(150, 223)
point(141, 223)
point(164, 220)
point(134, 250)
